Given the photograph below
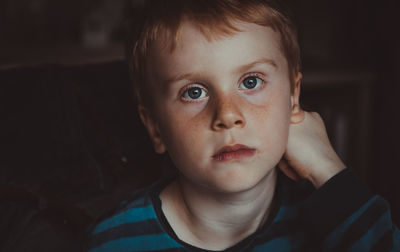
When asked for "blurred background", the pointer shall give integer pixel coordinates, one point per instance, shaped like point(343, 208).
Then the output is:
point(71, 141)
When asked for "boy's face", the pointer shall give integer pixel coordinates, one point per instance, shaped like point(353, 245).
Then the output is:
point(231, 91)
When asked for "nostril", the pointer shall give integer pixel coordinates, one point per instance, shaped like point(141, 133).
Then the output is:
point(227, 123)
point(221, 125)
point(238, 122)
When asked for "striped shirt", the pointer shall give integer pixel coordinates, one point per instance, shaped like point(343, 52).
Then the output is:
point(340, 216)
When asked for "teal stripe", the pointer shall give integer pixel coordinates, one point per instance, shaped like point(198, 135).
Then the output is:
point(280, 244)
point(138, 243)
point(286, 213)
point(130, 216)
point(396, 240)
point(374, 234)
point(337, 234)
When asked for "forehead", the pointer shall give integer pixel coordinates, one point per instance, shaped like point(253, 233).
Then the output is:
point(195, 52)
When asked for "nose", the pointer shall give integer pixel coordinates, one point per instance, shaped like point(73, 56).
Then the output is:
point(227, 114)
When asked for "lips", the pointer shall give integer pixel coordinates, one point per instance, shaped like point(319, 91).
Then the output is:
point(235, 152)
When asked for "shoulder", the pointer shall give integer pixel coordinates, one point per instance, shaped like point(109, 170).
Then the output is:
point(134, 224)
point(130, 214)
point(137, 208)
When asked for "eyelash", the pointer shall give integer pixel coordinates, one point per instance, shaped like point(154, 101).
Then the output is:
point(258, 75)
point(188, 87)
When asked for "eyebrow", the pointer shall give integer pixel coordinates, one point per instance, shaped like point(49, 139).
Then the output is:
point(257, 62)
point(179, 78)
point(243, 68)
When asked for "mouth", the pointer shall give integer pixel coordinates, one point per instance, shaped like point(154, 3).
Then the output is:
point(234, 152)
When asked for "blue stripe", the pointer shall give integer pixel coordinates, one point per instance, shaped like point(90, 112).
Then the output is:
point(374, 233)
point(138, 243)
point(396, 240)
point(286, 213)
point(130, 216)
point(280, 244)
point(334, 238)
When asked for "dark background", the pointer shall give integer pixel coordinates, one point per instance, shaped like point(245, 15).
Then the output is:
point(70, 133)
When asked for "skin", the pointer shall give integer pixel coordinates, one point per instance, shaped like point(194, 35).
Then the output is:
point(309, 154)
point(213, 205)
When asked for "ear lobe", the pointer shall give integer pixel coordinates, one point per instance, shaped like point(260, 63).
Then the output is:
point(297, 115)
point(152, 129)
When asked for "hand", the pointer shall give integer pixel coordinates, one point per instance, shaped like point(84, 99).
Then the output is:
point(309, 154)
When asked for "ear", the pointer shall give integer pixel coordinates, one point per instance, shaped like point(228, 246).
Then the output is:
point(152, 128)
point(297, 113)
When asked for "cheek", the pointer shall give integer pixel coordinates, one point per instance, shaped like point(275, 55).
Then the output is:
point(277, 91)
point(258, 99)
point(187, 148)
point(273, 105)
point(183, 135)
point(273, 120)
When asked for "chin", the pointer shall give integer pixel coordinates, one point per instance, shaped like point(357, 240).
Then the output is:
point(236, 182)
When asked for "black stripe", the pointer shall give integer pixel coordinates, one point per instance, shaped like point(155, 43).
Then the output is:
point(385, 243)
point(362, 225)
point(279, 229)
point(147, 227)
point(291, 192)
point(331, 203)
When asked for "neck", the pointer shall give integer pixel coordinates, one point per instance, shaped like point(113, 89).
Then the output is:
point(213, 220)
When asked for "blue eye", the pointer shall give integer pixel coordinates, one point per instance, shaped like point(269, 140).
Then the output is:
point(251, 82)
point(194, 93)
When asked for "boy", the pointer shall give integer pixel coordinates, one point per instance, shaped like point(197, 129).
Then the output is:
point(218, 85)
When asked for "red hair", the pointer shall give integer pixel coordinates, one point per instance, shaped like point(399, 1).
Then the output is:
point(161, 20)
